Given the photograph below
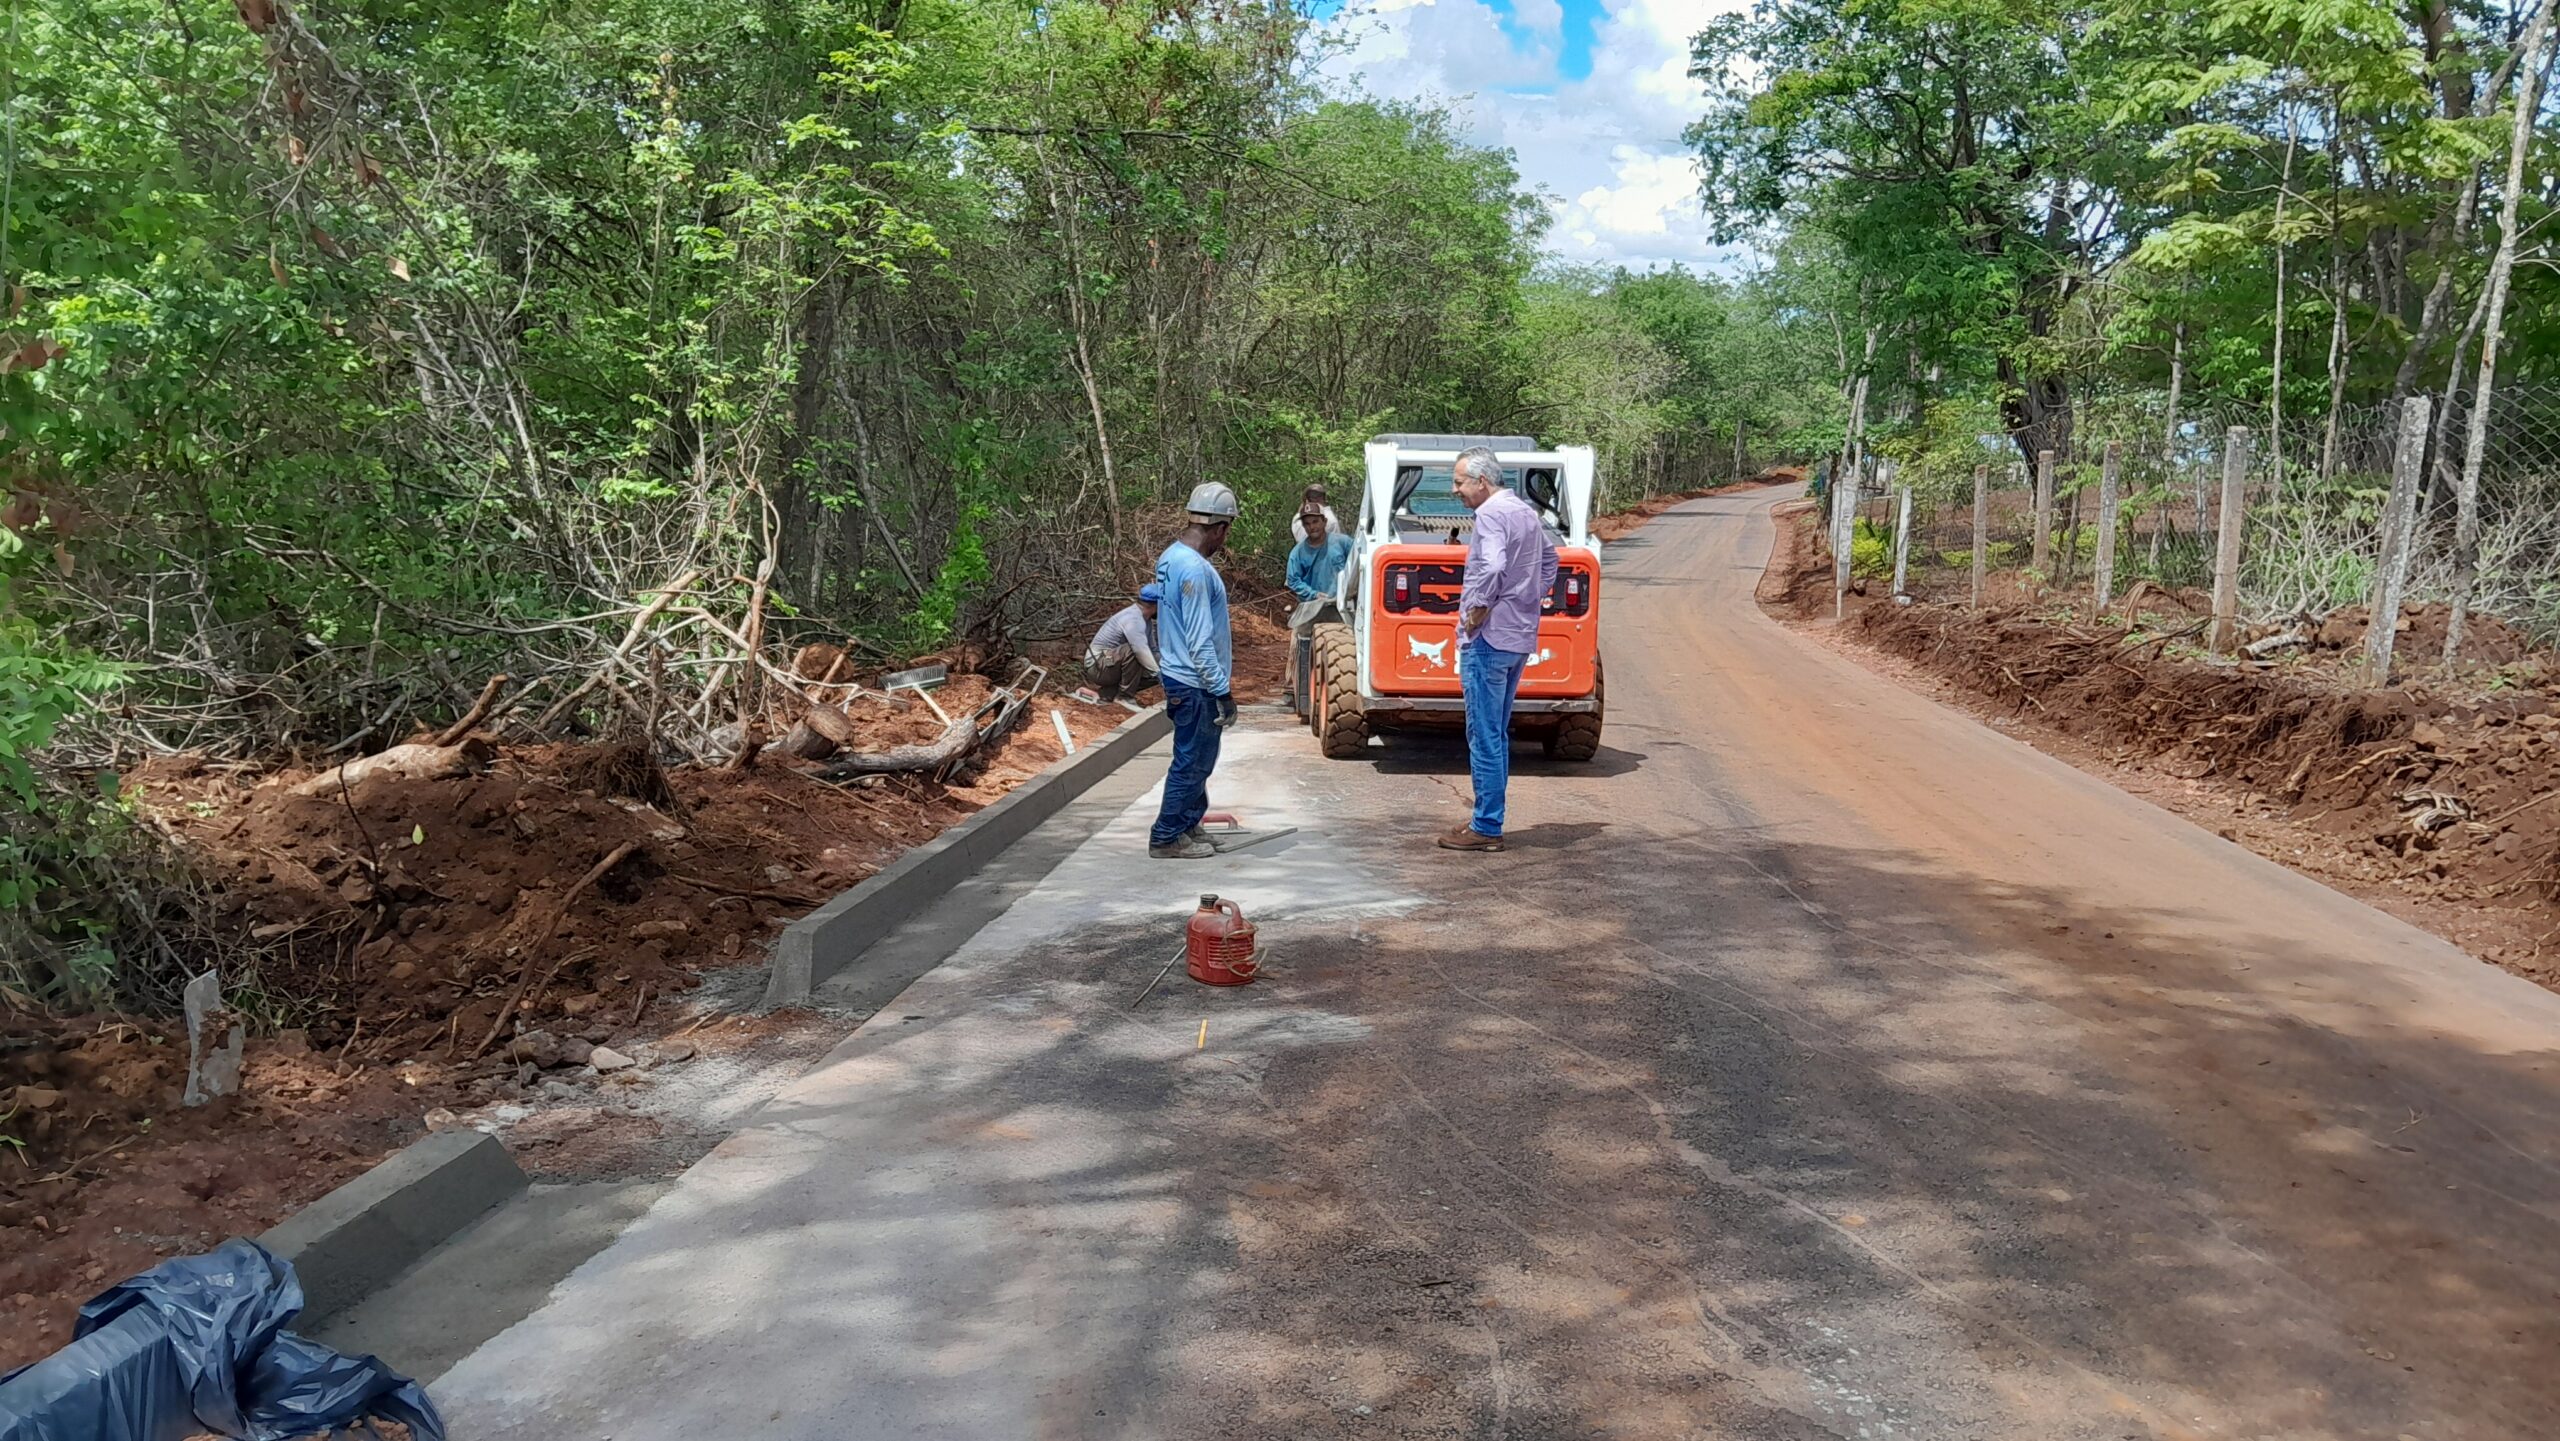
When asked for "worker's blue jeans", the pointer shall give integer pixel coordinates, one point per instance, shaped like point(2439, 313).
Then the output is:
point(1195, 754)
point(1490, 679)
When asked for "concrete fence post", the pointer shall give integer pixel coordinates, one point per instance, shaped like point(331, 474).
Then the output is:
point(1981, 530)
point(2399, 541)
point(1902, 547)
point(2110, 475)
point(2226, 550)
point(2041, 559)
point(1844, 535)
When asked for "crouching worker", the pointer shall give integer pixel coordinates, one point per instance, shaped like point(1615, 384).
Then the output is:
point(1122, 658)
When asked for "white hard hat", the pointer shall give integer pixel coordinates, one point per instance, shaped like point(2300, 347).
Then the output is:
point(1212, 501)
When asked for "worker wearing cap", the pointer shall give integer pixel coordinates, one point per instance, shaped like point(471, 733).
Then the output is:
point(1313, 495)
point(1315, 565)
point(1122, 656)
point(1198, 655)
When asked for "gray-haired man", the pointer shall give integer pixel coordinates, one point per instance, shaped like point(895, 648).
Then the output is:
point(1511, 565)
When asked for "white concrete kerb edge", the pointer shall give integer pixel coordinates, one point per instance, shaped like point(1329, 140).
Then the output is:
point(828, 939)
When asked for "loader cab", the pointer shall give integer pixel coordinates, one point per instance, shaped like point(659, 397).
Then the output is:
point(1425, 504)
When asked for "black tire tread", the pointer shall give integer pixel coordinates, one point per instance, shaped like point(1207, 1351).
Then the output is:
point(1346, 732)
point(1577, 734)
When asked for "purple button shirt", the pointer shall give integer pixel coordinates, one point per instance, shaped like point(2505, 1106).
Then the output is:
point(1511, 565)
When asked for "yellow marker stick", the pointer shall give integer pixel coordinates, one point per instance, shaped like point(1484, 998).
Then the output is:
point(1204, 1037)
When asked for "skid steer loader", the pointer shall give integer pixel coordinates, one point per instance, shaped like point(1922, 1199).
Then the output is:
point(1382, 654)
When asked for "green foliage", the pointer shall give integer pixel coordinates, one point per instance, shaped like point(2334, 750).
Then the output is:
point(53, 833)
point(1871, 550)
point(2024, 206)
point(962, 574)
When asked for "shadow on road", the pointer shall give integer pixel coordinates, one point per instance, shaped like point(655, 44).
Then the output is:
point(1437, 753)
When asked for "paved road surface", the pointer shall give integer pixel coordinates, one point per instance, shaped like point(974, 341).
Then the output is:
point(1817, 1064)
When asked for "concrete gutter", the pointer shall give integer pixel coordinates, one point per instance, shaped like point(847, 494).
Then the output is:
point(348, 1243)
point(826, 940)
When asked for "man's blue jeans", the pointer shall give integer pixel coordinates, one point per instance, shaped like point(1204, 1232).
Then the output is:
point(1490, 679)
point(1195, 754)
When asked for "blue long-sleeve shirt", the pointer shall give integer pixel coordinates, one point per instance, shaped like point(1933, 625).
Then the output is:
point(1192, 637)
point(1313, 569)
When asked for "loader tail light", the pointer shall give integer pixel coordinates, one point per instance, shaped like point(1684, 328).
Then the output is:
point(1571, 594)
point(1431, 589)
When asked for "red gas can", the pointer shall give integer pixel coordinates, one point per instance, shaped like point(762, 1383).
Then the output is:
point(1219, 944)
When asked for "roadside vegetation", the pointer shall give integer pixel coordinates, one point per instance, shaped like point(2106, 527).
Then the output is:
point(2059, 227)
point(356, 353)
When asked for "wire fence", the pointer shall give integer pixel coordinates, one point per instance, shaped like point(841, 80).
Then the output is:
point(2315, 490)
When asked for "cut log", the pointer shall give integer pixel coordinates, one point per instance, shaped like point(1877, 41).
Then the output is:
point(409, 762)
point(957, 740)
point(803, 742)
point(831, 722)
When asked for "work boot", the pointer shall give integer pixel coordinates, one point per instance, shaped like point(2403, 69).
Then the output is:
point(1467, 838)
point(1192, 847)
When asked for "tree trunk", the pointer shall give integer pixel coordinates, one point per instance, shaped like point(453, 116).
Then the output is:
point(2466, 523)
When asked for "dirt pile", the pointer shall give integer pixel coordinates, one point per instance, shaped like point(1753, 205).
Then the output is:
point(2486, 639)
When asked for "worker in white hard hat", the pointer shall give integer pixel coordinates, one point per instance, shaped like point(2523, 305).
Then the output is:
point(1198, 653)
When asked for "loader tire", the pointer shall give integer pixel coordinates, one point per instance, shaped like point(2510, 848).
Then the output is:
point(1341, 731)
point(1577, 734)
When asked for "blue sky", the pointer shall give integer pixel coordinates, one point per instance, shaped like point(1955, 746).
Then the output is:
point(1590, 98)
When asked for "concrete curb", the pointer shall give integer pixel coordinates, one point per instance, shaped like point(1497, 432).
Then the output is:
point(345, 1245)
point(826, 940)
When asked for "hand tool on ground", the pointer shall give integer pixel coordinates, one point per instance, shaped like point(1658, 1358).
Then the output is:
point(918, 680)
point(1160, 975)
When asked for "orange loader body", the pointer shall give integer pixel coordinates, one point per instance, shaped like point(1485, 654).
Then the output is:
point(1413, 648)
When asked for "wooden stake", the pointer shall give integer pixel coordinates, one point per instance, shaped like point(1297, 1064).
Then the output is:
point(2399, 540)
point(2226, 551)
point(2110, 475)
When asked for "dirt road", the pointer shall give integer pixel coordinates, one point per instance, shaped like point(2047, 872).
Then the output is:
point(1817, 1064)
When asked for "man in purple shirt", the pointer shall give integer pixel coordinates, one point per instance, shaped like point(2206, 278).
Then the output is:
point(1511, 565)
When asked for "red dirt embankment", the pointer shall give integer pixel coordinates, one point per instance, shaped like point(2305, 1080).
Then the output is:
point(2438, 801)
point(392, 940)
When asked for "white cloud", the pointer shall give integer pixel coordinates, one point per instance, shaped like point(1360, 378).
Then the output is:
point(1605, 149)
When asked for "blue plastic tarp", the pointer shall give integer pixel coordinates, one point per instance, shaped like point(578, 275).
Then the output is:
point(198, 1343)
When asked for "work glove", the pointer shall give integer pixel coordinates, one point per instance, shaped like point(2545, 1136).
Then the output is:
point(1226, 710)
